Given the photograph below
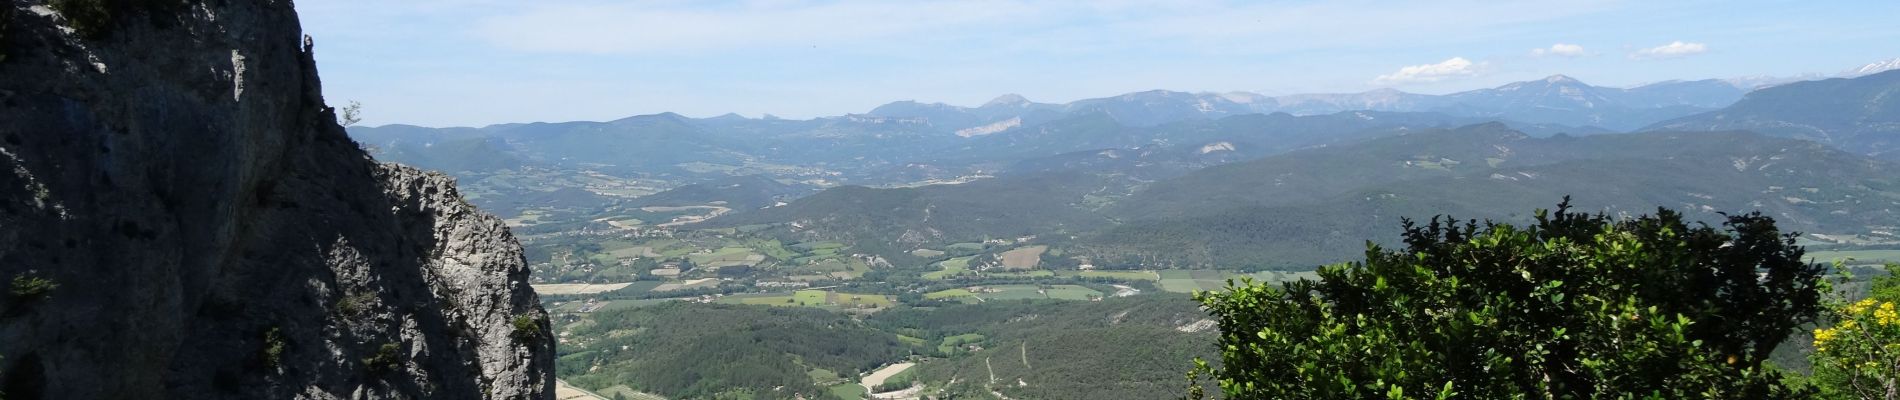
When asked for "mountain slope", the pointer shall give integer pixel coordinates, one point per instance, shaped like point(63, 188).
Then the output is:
point(1564, 100)
point(1317, 206)
point(1861, 114)
point(1140, 208)
point(205, 230)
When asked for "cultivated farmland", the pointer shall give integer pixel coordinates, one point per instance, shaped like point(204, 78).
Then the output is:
point(1023, 258)
point(578, 288)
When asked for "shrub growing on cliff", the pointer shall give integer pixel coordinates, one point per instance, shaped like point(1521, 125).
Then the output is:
point(30, 286)
point(1575, 306)
point(527, 329)
point(355, 304)
point(273, 348)
point(384, 360)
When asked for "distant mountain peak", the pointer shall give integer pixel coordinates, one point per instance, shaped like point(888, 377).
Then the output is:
point(1558, 80)
point(1874, 68)
point(1244, 97)
point(1007, 100)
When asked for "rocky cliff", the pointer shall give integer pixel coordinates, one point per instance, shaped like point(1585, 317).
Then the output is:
point(181, 217)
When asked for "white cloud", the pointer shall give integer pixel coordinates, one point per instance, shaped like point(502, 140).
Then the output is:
point(1454, 68)
point(1561, 50)
point(1672, 50)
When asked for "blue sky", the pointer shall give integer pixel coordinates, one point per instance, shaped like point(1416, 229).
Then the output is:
point(478, 62)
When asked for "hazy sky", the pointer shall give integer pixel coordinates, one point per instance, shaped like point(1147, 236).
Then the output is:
point(478, 62)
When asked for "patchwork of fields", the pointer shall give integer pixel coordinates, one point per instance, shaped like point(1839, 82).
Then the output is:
point(976, 294)
point(813, 298)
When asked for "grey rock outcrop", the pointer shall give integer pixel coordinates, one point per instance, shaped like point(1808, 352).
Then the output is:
point(181, 217)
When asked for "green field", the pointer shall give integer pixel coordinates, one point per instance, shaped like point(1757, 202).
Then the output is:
point(948, 293)
point(848, 391)
point(772, 248)
point(951, 267)
point(914, 341)
point(1856, 257)
point(1123, 275)
point(812, 298)
point(723, 257)
point(1071, 292)
point(821, 375)
point(1024, 274)
point(1013, 292)
point(951, 344)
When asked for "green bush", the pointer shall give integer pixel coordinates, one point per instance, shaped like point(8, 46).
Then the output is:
point(273, 348)
point(29, 287)
point(355, 303)
point(527, 329)
point(385, 358)
point(1577, 306)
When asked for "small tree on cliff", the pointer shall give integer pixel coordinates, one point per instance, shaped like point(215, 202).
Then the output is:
point(1576, 306)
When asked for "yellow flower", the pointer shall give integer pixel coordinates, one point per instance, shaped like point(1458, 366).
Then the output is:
point(1886, 315)
point(1860, 306)
point(1822, 336)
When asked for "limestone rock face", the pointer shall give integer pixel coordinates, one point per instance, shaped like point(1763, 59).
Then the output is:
point(181, 217)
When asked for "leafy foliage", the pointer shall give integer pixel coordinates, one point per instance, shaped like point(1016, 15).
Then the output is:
point(273, 347)
point(354, 304)
point(1859, 355)
point(1576, 306)
point(31, 287)
point(349, 115)
point(385, 359)
point(527, 329)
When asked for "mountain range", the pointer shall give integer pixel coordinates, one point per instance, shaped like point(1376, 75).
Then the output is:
point(1319, 205)
point(889, 138)
point(1557, 99)
point(1174, 178)
point(1860, 114)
